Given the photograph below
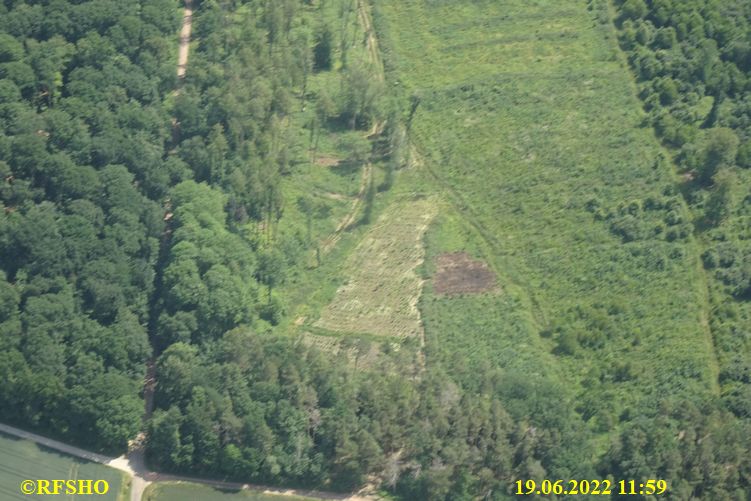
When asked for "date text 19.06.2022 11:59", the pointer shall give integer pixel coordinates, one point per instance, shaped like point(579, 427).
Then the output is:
point(593, 487)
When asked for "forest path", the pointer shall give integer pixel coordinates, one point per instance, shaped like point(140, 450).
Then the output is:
point(374, 54)
point(135, 467)
point(363, 13)
point(349, 219)
point(182, 57)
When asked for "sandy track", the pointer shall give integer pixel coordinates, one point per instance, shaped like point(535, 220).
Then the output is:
point(182, 57)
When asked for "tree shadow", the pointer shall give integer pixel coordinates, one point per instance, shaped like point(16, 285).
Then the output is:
point(346, 168)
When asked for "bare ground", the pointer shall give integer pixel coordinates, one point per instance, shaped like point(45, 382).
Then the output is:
point(459, 273)
point(182, 58)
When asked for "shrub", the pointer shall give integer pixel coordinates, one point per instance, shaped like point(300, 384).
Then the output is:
point(634, 9)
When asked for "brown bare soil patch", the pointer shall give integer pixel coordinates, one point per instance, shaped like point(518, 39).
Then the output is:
point(459, 273)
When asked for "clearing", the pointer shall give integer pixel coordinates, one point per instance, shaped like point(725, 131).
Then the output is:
point(382, 290)
point(529, 123)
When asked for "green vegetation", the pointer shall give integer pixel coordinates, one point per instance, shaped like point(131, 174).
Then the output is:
point(525, 116)
point(21, 460)
point(135, 215)
point(183, 490)
point(82, 136)
point(690, 61)
point(470, 264)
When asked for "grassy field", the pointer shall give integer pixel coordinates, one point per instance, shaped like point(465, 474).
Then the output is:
point(528, 123)
point(22, 459)
point(184, 491)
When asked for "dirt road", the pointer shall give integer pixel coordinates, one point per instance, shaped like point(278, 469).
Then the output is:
point(363, 12)
point(351, 216)
point(182, 57)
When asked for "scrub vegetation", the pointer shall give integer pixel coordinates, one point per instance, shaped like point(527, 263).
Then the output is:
point(691, 66)
point(525, 115)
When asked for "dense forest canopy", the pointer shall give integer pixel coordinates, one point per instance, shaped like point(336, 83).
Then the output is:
point(83, 133)
point(139, 222)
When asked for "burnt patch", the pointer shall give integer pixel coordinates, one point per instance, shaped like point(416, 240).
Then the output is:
point(459, 273)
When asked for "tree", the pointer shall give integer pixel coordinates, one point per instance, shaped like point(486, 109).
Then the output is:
point(271, 269)
point(324, 44)
point(217, 149)
point(720, 201)
point(668, 90)
point(164, 448)
point(306, 206)
point(634, 9)
point(185, 287)
point(305, 60)
point(38, 243)
point(10, 48)
point(132, 341)
point(176, 368)
point(361, 96)
point(325, 109)
point(229, 301)
point(200, 416)
point(720, 150)
point(177, 328)
point(665, 38)
point(743, 159)
point(357, 148)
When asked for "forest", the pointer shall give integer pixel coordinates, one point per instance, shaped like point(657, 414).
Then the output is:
point(142, 222)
